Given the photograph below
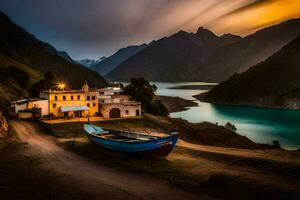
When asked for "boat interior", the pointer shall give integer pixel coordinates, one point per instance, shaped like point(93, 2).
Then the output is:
point(122, 135)
point(125, 136)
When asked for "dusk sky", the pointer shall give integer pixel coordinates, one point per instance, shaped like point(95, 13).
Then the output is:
point(95, 28)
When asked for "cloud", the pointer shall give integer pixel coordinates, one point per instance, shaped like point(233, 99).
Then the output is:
point(92, 28)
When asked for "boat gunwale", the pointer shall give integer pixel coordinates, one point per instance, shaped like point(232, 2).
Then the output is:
point(171, 135)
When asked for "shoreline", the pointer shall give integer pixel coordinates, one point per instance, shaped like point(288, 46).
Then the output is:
point(200, 98)
point(176, 104)
point(193, 87)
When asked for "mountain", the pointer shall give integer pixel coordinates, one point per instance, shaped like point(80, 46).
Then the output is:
point(251, 50)
point(203, 56)
point(65, 56)
point(21, 52)
point(90, 62)
point(272, 83)
point(107, 65)
point(179, 57)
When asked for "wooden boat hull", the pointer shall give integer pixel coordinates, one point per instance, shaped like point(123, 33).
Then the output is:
point(159, 147)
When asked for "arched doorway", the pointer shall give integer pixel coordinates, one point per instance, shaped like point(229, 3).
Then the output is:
point(115, 113)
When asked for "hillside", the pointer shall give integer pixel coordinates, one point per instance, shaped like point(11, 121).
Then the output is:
point(65, 56)
point(272, 83)
point(108, 64)
point(203, 56)
point(20, 51)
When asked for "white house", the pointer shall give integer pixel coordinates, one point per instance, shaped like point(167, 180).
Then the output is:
point(20, 107)
point(119, 106)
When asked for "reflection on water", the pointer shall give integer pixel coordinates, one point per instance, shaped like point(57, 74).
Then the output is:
point(259, 124)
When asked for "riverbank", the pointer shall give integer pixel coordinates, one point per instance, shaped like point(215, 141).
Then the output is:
point(175, 104)
point(252, 172)
point(289, 105)
point(204, 171)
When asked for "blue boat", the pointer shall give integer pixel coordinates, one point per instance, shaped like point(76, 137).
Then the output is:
point(159, 145)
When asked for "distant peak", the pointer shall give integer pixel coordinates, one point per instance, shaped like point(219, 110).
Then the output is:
point(204, 31)
point(181, 32)
point(229, 35)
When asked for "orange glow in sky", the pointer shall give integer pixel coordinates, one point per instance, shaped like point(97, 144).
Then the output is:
point(251, 18)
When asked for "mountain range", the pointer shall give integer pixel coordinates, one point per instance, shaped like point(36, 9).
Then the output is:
point(90, 62)
point(204, 56)
point(272, 83)
point(107, 65)
point(21, 51)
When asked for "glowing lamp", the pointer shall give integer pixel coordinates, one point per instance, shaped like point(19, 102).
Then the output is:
point(61, 86)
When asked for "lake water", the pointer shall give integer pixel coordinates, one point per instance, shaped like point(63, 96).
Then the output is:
point(262, 125)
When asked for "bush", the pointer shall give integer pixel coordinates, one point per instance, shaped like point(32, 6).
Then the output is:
point(45, 84)
point(230, 126)
point(276, 144)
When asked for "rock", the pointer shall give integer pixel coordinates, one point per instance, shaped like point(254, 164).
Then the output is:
point(3, 125)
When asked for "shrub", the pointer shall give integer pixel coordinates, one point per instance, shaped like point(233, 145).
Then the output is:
point(230, 126)
point(276, 144)
point(141, 90)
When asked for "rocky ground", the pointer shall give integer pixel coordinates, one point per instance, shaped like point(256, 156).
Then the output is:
point(3, 126)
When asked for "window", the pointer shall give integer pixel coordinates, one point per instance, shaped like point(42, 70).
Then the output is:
point(127, 112)
point(88, 105)
point(88, 98)
point(72, 98)
point(78, 97)
point(93, 98)
point(94, 105)
point(54, 105)
point(55, 98)
point(64, 98)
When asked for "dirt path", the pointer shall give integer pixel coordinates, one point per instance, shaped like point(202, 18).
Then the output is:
point(271, 155)
point(103, 182)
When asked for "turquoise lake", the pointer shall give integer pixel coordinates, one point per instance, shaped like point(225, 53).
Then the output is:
point(261, 125)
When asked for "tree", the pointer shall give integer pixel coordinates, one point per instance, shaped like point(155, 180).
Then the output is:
point(44, 84)
point(141, 90)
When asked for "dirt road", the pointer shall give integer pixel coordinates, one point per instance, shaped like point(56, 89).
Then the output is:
point(102, 182)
